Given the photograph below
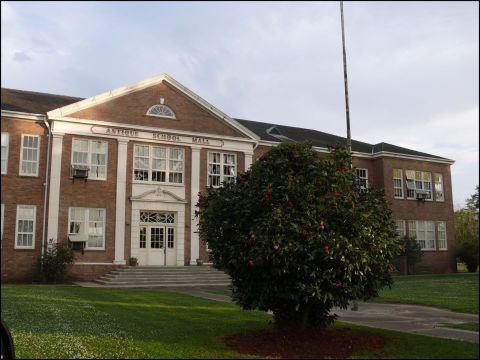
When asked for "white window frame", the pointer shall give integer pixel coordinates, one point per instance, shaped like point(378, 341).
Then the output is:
point(5, 143)
point(419, 229)
point(222, 163)
point(401, 184)
point(168, 171)
point(440, 183)
point(415, 188)
point(163, 107)
point(86, 222)
point(91, 175)
point(444, 230)
point(403, 226)
point(362, 178)
point(34, 226)
point(21, 155)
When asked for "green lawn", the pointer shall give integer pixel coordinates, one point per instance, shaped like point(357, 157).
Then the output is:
point(72, 322)
point(463, 326)
point(457, 292)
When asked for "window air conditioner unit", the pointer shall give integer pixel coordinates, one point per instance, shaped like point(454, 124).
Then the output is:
point(80, 172)
point(77, 241)
point(421, 194)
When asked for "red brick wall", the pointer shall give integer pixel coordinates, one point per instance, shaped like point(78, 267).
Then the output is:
point(89, 194)
point(189, 116)
point(19, 265)
point(80, 272)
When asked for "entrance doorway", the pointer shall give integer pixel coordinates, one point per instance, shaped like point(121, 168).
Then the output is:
point(157, 239)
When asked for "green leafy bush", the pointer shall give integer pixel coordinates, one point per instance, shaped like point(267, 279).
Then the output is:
point(297, 237)
point(55, 261)
point(412, 250)
point(466, 236)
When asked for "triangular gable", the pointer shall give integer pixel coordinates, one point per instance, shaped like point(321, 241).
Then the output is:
point(129, 104)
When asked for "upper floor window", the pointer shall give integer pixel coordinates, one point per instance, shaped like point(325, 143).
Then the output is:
point(438, 178)
point(221, 168)
point(362, 178)
point(418, 181)
point(397, 184)
point(92, 154)
point(29, 155)
point(159, 164)
point(89, 224)
point(424, 232)
point(4, 156)
point(25, 227)
point(442, 235)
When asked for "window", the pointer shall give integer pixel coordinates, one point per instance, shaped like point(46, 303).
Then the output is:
point(424, 232)
point(91, 153)
point(401, 231)
point(90, 223)
point(158, 164)
point(221, 168)
point(397, 184)
point(442, 235)
point(362, 178)
point(29, 155)
point(161, 111)
point(25, 229)
point(418, 181)
point(438, 178)
point(4, 157)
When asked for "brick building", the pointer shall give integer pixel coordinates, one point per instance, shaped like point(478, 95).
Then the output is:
point(119, 174)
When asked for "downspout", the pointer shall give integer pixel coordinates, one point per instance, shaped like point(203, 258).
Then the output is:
point(49, 135)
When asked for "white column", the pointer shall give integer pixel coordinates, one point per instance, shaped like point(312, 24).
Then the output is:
point(248, 160)
point(54, 196)
point(120, 202)
point(194, 238)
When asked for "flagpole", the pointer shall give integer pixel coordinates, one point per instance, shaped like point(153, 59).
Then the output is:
point(349, 138)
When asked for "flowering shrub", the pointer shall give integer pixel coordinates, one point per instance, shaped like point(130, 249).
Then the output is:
point(55, 261)
point(297, 237)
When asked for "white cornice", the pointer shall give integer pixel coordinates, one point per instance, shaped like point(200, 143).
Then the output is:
point(23, 115)
point(149, 128)
point(110, 95)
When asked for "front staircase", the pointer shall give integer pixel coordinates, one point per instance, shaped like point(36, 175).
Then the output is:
point(164, 276)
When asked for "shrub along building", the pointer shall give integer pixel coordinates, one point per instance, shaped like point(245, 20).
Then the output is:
point(118, 176)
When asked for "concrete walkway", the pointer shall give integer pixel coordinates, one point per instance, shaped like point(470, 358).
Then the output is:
point(421, 320)
point(416, 319)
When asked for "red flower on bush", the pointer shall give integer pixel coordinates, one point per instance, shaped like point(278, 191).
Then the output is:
point(276, 247)
point(389, 269)
point(336, 193)
point(326, 248)
point(268, 191)
point(352, 193)
point(337, 285)
point(251, 262)
point(353, 205)
point(322, 225)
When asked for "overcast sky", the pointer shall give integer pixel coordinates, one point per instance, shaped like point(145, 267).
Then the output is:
point(412, 66)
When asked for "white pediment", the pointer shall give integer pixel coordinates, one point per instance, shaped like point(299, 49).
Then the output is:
point(158, 194)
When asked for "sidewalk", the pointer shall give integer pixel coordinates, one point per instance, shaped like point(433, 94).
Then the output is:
point(415, 319)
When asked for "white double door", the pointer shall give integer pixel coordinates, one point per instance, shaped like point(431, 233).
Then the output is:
point(158, 244)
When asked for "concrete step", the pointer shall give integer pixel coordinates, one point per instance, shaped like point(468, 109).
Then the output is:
point(167, 276)
point(164, 285)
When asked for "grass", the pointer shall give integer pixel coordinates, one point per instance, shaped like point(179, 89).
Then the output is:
point(71, 322)
point(463, 326)
point(457, 292)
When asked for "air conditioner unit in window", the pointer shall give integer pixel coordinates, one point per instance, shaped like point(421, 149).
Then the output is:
point(79, 172)
point(77, 241)
point(421, 194)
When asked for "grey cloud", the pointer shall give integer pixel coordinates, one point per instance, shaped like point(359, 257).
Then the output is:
point(21, 56)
